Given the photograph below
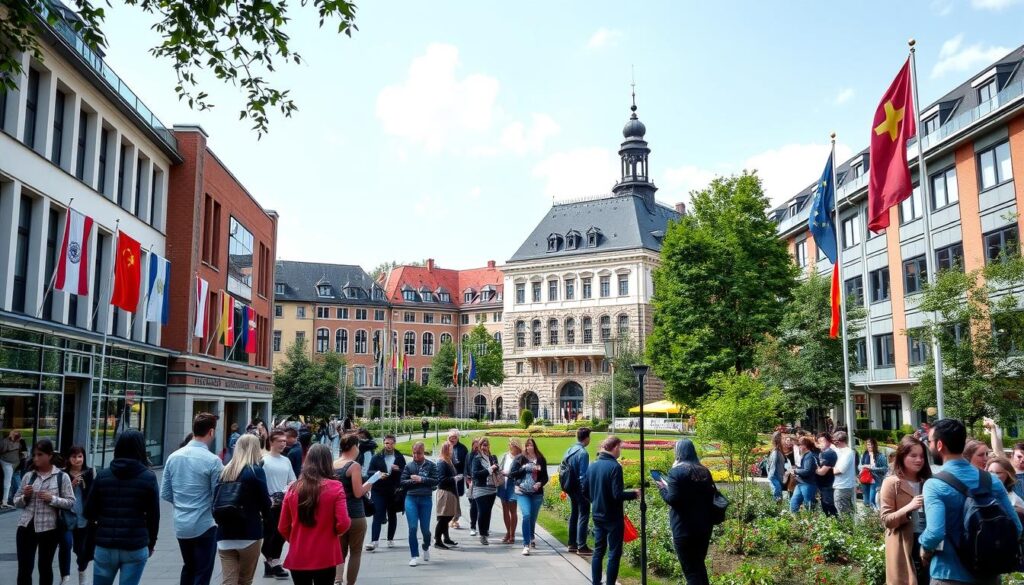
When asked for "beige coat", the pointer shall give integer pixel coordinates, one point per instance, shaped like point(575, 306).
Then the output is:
point(899, 533)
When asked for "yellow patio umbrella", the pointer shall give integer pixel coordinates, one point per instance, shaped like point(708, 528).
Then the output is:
point(659, 407)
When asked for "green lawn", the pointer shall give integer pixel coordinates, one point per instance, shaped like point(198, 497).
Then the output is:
point(552, 447)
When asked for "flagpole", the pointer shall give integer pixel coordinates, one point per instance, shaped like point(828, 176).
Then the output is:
point(103, 350)
point(847, 398)
point(929, 259)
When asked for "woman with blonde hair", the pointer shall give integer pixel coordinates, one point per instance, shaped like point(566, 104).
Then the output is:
point(447, 498)
point(1003, 469)
point(241, 503)
point(506, 492)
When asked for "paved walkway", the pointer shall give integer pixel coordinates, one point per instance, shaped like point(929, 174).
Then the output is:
point(471, 563)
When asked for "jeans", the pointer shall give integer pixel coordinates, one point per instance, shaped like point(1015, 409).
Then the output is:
point(691, 551)
point(607, 538)
point(776, 488)
point(197, 555)
point(579, 520)
point(335, 446)
point(383, 509)
point(484, 507)
point(317, 577)
point(845, 499)
point(273, 542)
point(803, 494)
point(473, 513)
point(109, 561)
point(828, 501)
point(27, 540)
point(530, 505)
point(417, 512)
point(15, 485)
point(870, 495)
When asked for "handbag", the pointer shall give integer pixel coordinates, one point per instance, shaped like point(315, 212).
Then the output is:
point(629, 532)
point(866, 477)
point(719, 504)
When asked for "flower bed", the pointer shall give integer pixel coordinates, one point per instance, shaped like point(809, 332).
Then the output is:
point(536, 433)
point(655, 444)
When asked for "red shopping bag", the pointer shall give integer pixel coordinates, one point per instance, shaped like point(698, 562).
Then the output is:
point(629, 534)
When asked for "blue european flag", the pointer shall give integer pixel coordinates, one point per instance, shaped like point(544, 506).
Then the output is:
point(822, 221)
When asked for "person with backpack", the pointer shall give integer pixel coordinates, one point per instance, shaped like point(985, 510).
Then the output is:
point(241, 503)
point(971, 532)
point(689, 492)
point(570, 478)
point(77, 536)
point(123, 510)
point(45, 495)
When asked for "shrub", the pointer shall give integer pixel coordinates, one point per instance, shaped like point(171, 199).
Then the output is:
point(747, 574)
point(525, 418)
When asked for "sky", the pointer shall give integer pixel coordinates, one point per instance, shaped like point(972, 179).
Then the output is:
point(446, 129)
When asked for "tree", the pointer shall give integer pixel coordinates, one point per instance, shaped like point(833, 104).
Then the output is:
point(307, 387)
point(489, 363)
point(722, 287)
point(737, 408)
point(803, 360)
point(978, 334)
point(239, 42)
point(627, 391)
point(441, 366)
point(417, 399)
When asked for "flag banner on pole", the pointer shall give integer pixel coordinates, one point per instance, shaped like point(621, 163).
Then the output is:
point(73, 266)
point(457, 366)
point(158, 301)
point(249, 329)
point(889, 175)
point(833, 331)
point(202, 317)
point(127, 274)
point(226, 331)
point(821, 222)
point(472, 367)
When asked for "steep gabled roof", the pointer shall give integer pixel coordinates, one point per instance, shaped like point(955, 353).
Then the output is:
point(300, 280)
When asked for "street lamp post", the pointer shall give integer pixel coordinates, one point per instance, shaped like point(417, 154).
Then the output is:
point(641, 372)
point(610, 347)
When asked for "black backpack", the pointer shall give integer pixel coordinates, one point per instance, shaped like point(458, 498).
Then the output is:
point(567, 478)
point(989, 544)
point(227, 503)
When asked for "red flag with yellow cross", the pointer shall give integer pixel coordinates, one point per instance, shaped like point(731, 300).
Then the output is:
point(889, 181)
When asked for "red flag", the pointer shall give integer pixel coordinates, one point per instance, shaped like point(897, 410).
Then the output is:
point(833, 331)
point(127, 273)
point(250, 324)
point(893, 126)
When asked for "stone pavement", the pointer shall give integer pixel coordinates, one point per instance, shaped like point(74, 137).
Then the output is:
point(471, 563)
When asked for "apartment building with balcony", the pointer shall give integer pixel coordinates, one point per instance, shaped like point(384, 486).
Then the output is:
point(973, 140)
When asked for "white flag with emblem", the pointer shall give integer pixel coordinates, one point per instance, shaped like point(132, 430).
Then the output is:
point(157, 297)
point(202, 294)
point(73, 266)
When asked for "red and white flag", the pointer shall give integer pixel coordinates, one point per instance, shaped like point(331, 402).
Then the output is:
point(73, 266)
point(202, 294)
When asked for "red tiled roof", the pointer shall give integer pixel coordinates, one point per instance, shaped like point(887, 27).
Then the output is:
point(433, 277)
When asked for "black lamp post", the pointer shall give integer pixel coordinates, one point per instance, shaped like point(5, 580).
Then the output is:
point(641, 372)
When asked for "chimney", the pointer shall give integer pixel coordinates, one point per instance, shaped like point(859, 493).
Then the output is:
point(681, 208)
point(430, 264)
point(490, 263)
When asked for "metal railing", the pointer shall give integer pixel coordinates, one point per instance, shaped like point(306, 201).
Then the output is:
point(1009, 94)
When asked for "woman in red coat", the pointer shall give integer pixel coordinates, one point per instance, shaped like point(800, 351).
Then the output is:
point(313, 516)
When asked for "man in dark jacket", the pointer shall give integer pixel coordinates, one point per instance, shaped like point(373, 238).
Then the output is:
point(604, 488)
point(367, 447)
point(386, 506)
point(578, 460)
point(294, 450)
point(460, 456)
point(826, 476)
point(124, 507)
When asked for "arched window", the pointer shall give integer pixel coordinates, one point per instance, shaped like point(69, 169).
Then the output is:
point(465, 337)
point(530, 401)
point(606, 328)
point(570, 330)
point(623, 325)
point(498, 402)
point(588, 331)
point(520, 333)
point(341, 341)
point(480, 405)
point(552, 331)
point(535, 326)
point(446, 338)
point(410, 343)
point(497, 336)
point(360, 341)
point(428, 343)
point(323, 340)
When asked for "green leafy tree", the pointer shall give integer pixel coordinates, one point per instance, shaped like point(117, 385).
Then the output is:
point(385, 268)
point(722, 287)
point(803, 360)
point(307, 387)
point(979, 334)
point(441, 366)
point(239, 43)
point(417, 399)
point(489, 364)
point(627, 391)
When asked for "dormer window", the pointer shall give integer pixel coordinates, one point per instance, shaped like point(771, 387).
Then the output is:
point(428, 297)
point(378, 294)
point(323, 290)
point(350, 292)
point(279, 288)
point(931, 124)
point(987, 91)
point(572, 240)
point(593, 237)
point(409, 295)
point(793, 208)
point(554, 242)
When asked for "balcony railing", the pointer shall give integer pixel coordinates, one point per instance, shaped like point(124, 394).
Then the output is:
point(564, 349)
point(1009, 94)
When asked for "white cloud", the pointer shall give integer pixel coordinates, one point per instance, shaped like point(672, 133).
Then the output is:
point(427, 207)
point(474, 193)
point(433, 106)
point(955, 57)
point(519, 139)
point(844, 95)
point(581, 172)
point(604, 37)
point(786, 170)
point(941, 7)
point(992, 4)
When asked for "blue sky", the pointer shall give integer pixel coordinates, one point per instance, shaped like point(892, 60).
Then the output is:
point(446, 129)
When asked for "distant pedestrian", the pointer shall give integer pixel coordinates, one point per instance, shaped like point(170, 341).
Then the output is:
point(878, 464)
point(419, 479)
point(604, 488)
point(350, 474)
point(576, 460)
point(507, 493)
point(827, 458)
point(387, 500)
point(425, 425)
point(10, 462)
point(334, 436)
point(845, 471)
point(447, 498)
point(280, 475)
point(902, 510)
point(123, 509)
point(240, 531)
point(346, 425)
point(313, 516)
point(530, 474)
point(293, 450)
point(689, 492)
point(190, 477)
point(76, 537)
point(44, 493)
point(232, 441)
point(485, 490)
point(806, 476)
point(367, 448)
point(777, 466)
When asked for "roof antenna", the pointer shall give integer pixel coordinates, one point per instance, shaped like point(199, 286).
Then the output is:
point(632, 74)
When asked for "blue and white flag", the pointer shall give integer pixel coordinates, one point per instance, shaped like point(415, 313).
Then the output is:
point(157, 295)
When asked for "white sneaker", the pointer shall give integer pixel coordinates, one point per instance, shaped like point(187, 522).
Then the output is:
point(472, 532)
point(526, 551)
point(372, 546)
point(65, 579)
point(391, 544)
point(414, 561)
point(426, 555)
point(83, 578)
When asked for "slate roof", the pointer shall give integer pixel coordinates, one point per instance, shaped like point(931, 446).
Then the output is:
point(960, 101)
point(625, 222)
point(300, 281)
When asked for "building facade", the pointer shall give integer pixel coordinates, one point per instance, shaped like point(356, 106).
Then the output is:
point(583, 277)
point(219, 233)
point(973, 139)
point(74, 135)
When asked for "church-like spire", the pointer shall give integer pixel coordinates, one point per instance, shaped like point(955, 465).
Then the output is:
point(633, 154)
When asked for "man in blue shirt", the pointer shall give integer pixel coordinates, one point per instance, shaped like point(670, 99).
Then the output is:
point(944, 506)
point(190, 477)
point(578, 460)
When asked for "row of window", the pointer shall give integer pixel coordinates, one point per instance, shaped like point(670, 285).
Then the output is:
point(348, 292)
point(918, 349)
point(568, 289)
point(569, 367)
point(555, 330)
point(360, 346)
point(332, 313)
point(488, 294)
